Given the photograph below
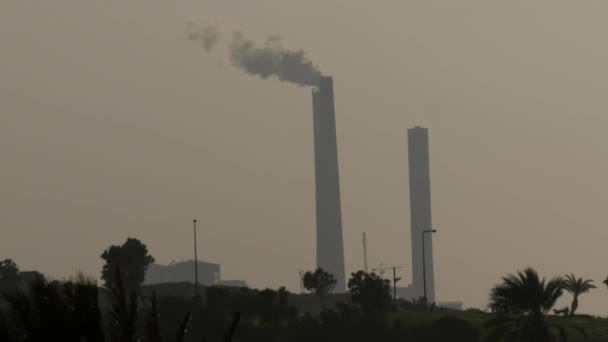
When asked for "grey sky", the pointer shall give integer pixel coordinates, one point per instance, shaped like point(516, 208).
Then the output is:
point(114, 124)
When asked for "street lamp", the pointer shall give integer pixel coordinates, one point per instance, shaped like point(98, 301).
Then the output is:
point(395, 280)
point(195, 263)
point(429, 231)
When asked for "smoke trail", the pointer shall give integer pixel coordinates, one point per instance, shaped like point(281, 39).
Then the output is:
point(272, 59)
point(207, 36)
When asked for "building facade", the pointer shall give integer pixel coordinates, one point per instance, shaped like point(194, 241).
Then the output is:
point(208, 273)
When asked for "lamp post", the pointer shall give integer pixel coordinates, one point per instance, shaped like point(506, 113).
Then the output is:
point(395, 280)
point(195, 263)
point(429, 231)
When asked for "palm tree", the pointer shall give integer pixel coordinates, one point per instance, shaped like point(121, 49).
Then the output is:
point(521, 301)
point(576, 287)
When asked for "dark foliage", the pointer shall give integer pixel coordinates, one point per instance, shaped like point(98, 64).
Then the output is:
point(152, 325)
point(370, 291)
point(9, 275)
point(446, 329)
point(132, 259)
point(521, 302)
point(576, 287)
point(319, 282)
point(54, 311)
point(183, 327)
point(83, 295)
point(525, 293)
point(123, 310)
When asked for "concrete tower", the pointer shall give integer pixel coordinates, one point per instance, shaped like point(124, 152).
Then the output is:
point(420, 211)
point(330, 247)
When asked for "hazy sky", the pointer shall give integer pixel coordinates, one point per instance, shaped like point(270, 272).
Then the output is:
point(113, 124)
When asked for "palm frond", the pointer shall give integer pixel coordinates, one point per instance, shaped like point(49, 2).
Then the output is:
point(183, 327)
point(230, 333)
point(123, 310)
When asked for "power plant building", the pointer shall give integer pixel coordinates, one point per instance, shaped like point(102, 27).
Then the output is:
point(208, 273)
point(330, 246)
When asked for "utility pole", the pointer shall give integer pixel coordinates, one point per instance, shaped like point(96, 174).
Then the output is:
point(381, 269)
point(195, 263)
point(430, 231)
point(395, 280)
point(364, 253)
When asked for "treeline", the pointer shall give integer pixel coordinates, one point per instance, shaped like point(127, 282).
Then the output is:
point(69, 311)
point(34, 309)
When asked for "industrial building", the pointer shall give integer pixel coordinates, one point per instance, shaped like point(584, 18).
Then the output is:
point(208, 273)
point(330, 246)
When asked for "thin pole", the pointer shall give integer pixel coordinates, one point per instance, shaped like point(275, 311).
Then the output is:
point(423, 268)
point(395, 287)
point(195, 263)
point(364, 253)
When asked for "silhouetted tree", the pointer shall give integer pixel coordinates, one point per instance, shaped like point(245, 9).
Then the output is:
point(9, 275)
point(319, 282)
point(370, 291)
point(243, 300)
point(7, 330)
point(265, 301)
point(39, 313)
point(183, 326)
point(132, 259)
point(54, 311)
point(152, 325)
point(522, 300)
point(123, 310)
point(229, 334)
point(576, 287)
point(83, 296)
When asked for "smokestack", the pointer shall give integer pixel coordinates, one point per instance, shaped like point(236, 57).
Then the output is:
point(420, 211)
point(330, 246)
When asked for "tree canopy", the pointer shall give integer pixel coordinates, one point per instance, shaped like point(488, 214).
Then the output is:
point(576, 287)
point(521, 301)
point(370, 291)
point(132, 259)
point(525, 292)
point(319, 282)
point(9, 275)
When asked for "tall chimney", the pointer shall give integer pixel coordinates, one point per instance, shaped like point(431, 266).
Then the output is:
point(420, 211)
point(330, 247)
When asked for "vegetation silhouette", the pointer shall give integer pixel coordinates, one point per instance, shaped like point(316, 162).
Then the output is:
point(576, 287)
point(152, 325)
point(77, 310)
point(55, 311)
point(521, 301)
point(319, 282)
point(370, 291)
point(123, 309)
point(9, 275)
point(132, 260)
